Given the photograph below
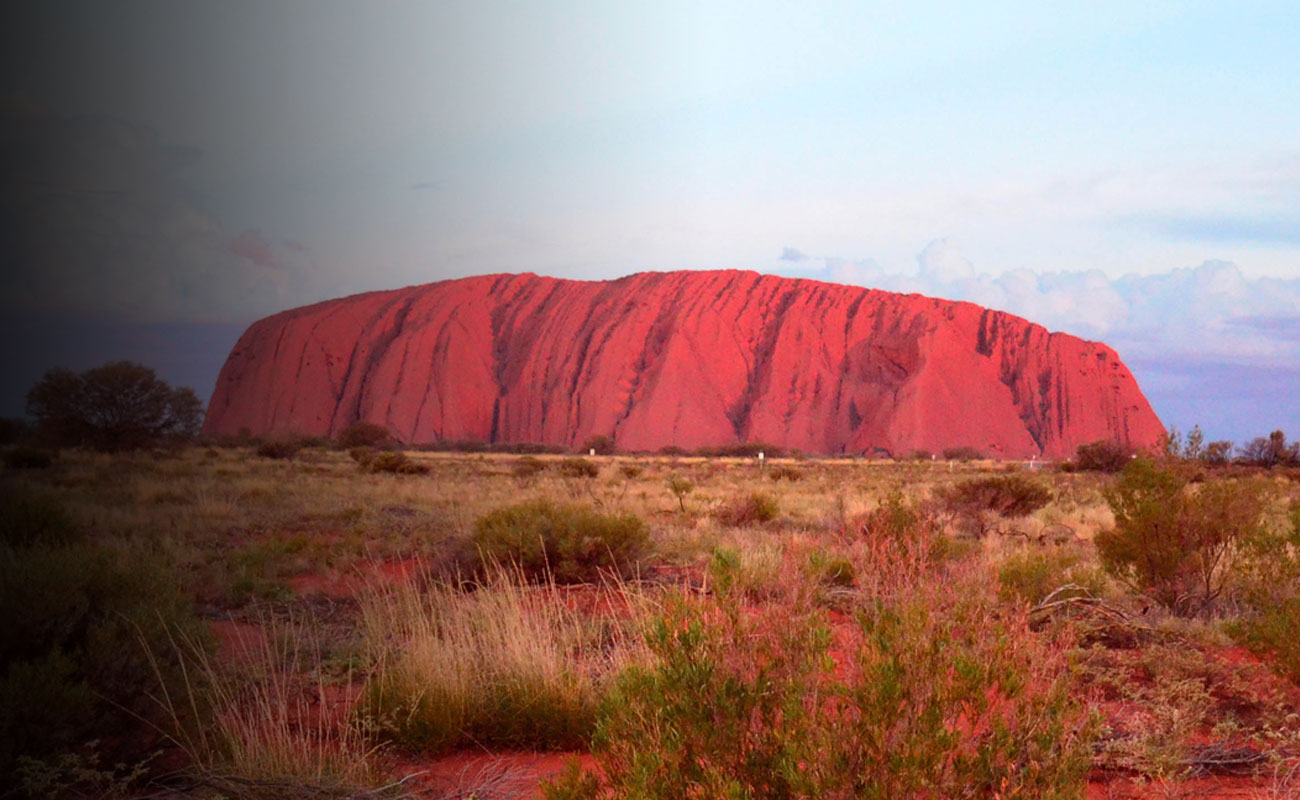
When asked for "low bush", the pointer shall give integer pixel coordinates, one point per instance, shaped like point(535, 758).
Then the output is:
point(279, 448)
point(1027, 576)
point(680, 487)
point(978, 504)
point(782, 472)
point(34, 518)
point(1102, 456)
point(962, 454)
point(754, 508)
point(578, 468)
point(827, 569)
point(365, 434)
point(934, 695)
point(567, 543)
point(1177, 543)
point(362, 455)
point(527, 467)
point(24, 457)
point(395, 462)
point(81, 622)
point(741, 450)
point(1270, 623)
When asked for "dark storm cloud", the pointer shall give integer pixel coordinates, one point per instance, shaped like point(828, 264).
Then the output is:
point(98, 219)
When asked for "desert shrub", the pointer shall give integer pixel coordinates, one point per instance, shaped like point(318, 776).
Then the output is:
point(527, 467)
point(31, 518)
point(1027, 576)
point(934, 696)
point(630, 471)
point(1102, 456)
point(741, 450)
point(904, 544)
point(285, 448)
point(920, 455)
point(507, 665)
point(603, 445)
point(1175, 543)
point(964, 453)
point(672, 450)
point(782, 472)
point(754, 508)
point(365, 434)
point(395, 462)
point(827, 569)
point(578, 468)
point(25, 457)
point(81, 622)
point(569, 543)
point(1002, 496)
point(680, 487)
point(362, 455)
point(1270, 623)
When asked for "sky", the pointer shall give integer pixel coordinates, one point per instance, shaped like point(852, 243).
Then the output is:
point(1130, 172)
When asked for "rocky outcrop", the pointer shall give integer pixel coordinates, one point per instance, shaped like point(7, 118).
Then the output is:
point(681, 358)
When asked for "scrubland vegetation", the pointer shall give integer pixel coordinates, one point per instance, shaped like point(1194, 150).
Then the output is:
point(311, 619)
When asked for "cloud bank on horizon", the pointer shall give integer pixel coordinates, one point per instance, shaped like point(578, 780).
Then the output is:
point(1209, 345)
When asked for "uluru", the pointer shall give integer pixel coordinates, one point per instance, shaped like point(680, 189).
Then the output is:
point(690, 358)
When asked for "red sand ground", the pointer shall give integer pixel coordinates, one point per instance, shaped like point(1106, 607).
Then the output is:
point(520, 774)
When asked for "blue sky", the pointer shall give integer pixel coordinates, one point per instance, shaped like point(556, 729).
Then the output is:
point(1128, 172)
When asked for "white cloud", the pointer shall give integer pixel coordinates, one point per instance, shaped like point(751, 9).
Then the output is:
point(1193, 313)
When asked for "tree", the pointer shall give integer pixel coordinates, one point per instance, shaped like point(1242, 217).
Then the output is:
point(118, 406)
point(1271, 451)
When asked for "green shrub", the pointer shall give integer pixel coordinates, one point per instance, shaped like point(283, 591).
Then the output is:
point(1005, 495)
point(30, 518)
point(86, 641)
point(964, 453)
point(680, 487)
point(571, 543)
point(781, 472)
point(578, 468)
point(25, 457)
point(831, 570)
point(1270, 623)
point(527, 467)
point(279, 448)
point(395, 462)
point(365, 434)
point(754, 508)
point(362, 455)
point(1175, 543)
point(935, 696)
point(1102, 456)
point(1029, 575)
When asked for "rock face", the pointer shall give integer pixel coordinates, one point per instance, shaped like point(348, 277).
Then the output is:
point(681, 358)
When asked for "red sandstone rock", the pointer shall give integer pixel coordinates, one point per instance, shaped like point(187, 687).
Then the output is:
point(681, 358)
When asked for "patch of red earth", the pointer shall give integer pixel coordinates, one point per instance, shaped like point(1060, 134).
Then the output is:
point(516, 775)
point(346, 584)
point(236, 641)
point(1104, 787)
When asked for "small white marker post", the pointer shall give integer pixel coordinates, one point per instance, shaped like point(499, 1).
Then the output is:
point(592, 451)
point(760, 460)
